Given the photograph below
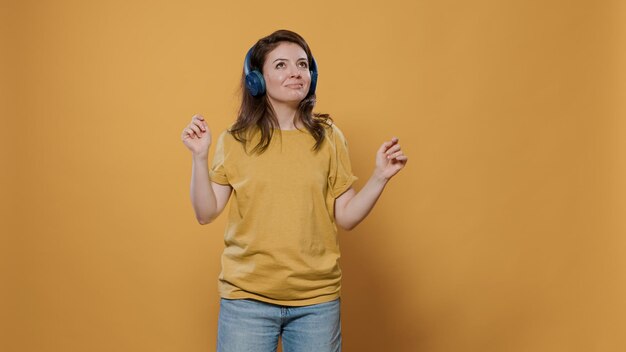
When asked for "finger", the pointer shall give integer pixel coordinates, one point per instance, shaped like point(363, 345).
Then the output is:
point(394, 155)
point(384, 147)
point(400, 157)
point(198, 120)
point(390, 143)
point(393, 149)
point(188, 133)
point(196, 129)
point(201, 125)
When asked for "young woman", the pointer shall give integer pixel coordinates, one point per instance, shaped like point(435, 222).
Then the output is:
point(289, 172)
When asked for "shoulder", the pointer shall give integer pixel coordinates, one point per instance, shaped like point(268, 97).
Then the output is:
point(226, 136)
point(225, 141)
point(334, 133)
point(222, 136)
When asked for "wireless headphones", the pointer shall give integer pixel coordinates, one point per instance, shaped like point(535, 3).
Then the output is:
point(256, 84)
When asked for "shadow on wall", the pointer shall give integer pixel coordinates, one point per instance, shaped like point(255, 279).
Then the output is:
point(377, 314)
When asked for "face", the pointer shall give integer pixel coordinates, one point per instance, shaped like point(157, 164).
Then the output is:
point(286, 74)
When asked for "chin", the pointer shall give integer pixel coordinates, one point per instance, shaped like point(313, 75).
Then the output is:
point(289, 100)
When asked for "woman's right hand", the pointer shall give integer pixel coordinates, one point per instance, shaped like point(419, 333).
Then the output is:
point(197, 136)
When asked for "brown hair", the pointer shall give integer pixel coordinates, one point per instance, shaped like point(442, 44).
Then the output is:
point(257, 112)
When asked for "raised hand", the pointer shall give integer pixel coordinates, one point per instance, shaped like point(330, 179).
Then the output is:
point(197, 136)
point(390, 159)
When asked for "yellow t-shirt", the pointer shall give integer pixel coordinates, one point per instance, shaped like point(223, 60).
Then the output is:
point(281, 241)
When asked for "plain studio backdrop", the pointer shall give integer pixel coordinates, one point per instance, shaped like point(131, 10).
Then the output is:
point(505, 232)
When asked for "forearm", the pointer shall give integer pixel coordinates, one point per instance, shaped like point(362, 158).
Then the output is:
point(202, 196)
point(363, 202)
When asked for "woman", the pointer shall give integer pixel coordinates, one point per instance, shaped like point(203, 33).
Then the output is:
point(290, 172)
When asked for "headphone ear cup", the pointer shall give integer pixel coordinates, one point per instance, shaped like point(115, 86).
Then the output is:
point(313, 82)
point(255, 83)
point(313, 71)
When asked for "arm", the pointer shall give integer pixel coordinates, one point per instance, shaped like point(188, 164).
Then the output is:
point(208, 198)
point(352, 207)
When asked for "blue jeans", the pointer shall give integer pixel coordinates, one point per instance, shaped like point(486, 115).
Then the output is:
point(247, 325)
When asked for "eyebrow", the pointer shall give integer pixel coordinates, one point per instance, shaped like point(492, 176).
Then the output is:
point(302, 58)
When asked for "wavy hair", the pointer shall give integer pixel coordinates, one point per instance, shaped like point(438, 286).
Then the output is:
point(257, 112)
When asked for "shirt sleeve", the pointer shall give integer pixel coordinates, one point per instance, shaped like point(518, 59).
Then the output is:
point(217, 172)
point(340, 177)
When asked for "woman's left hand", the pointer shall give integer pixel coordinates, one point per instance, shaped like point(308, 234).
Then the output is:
point(390, 159)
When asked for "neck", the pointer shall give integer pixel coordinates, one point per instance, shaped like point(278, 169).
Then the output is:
point(285, 114)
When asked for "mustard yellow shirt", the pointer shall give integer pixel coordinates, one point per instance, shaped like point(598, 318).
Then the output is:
point(281, 241)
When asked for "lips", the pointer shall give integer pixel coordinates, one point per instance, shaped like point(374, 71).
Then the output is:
point(295, 85)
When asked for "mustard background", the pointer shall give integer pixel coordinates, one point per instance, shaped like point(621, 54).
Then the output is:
point(505, 232)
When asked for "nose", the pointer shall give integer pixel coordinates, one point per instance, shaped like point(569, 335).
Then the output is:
point(295, 71)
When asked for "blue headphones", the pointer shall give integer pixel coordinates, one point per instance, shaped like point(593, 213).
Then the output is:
point(256, 84)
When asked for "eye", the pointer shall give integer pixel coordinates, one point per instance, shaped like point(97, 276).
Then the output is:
point(280, 64)
point(303, 64)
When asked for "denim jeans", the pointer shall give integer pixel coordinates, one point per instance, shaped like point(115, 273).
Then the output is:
point(247, 325)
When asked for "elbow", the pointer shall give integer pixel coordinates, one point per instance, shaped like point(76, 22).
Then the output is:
point(345, 225)
point(204, 219)
point(344, 221)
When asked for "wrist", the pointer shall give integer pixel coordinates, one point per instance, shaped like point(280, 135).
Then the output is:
point(200, 157)
point(378, 176)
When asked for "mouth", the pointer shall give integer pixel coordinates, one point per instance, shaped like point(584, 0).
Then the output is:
point(295, 86)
